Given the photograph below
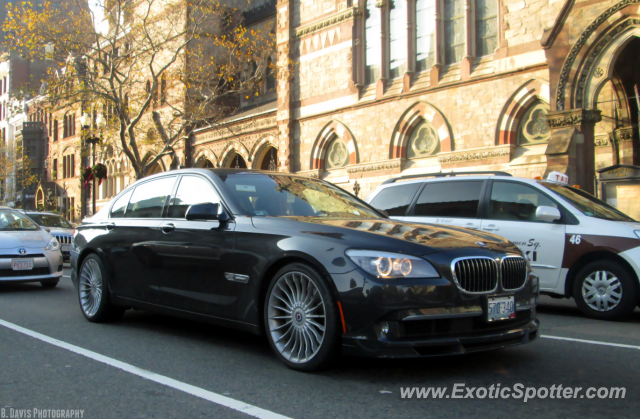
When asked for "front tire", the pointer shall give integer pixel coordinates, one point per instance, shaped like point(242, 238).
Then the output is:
point(605, 290)
point(93, 292)
point(301, 319)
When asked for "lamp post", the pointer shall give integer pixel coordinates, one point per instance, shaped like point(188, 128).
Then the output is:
point(92, 140)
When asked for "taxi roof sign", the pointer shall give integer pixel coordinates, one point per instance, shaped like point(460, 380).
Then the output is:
point(558, 177)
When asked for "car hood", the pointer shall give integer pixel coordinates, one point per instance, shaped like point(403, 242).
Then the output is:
point(421, 238)
point(59, 230)
point(24, 238)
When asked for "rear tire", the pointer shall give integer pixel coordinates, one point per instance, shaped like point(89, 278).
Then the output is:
point(93, 292)
point(301, 319)
point(605, 290)
point(49, 284)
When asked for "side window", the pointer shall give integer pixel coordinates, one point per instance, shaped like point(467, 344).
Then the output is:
point(395, 200)
point(192, 190)
point(149, 199)
point(117, 211)
point(516, 202)
point(450, 199)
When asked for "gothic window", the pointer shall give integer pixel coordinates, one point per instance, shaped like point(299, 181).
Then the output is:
point(398, 38)
point(533, 127)
point(337, 154)
point(425, 34)
point(454, 28)
point(373, 53)
point(424, 141)
point(486, 27)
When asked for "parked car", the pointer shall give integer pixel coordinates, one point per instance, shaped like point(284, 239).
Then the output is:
point(303, 262)
point(27, 252)
point(578, 245)
point(59, 228)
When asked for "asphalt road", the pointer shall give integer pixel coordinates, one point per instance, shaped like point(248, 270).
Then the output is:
point(37, 374)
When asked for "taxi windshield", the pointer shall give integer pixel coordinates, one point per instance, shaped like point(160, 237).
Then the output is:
point(586, 203)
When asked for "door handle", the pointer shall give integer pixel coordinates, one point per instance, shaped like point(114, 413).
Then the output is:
point(168, 228)
point(491, 227)
point(110, 226)
point(471, 226)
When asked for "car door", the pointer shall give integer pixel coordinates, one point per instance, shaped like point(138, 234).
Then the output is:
point(511, 214)
point(451, 202)
point(196, 255)
point(130, 240)
point(396, 199)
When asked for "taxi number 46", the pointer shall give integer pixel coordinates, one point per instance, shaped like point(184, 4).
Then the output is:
point(575, 239)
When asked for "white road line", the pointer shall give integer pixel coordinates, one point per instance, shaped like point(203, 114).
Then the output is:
point(593, 342)
point(160, 379)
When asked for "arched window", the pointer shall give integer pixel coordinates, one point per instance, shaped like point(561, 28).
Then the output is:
point(337, 154)
point(424, 141)
point(533, 128)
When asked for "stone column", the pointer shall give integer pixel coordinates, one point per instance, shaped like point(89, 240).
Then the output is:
point(284, 85)
point(571, 149)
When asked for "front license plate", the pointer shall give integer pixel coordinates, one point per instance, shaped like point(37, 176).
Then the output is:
point(501, 308)
point(65, 247)
point(22, 264)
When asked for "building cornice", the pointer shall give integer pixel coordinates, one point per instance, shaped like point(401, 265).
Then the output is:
point(327, 22)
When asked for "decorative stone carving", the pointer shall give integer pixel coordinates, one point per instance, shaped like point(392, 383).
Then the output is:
point(599, 72)
point(222, 131)
point(533, 127)
point(325, 23)
point(572, 118)
point(474, 156)
point(375, 167)
point(582, 40)
point(623, 135)
point(602, 141)
point(424, 141)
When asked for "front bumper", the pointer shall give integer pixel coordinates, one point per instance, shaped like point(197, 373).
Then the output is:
point(426, 317)
point(47, 265)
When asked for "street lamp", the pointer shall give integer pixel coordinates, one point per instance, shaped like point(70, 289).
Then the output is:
point(85, 121)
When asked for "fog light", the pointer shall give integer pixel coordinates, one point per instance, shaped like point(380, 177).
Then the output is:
point(384, 328)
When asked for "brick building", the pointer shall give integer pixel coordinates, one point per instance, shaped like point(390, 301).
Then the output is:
point(382, 88)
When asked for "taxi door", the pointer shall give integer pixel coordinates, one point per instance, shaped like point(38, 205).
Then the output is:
point(511, 213)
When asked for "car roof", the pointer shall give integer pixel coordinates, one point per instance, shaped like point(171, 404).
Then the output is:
point(430, 178)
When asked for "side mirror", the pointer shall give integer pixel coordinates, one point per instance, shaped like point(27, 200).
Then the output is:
point(385, 213)
point(548, 214)
point(206, 212)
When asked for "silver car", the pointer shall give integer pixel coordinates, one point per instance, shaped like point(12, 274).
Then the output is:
point(58, 227)
point(27, 252)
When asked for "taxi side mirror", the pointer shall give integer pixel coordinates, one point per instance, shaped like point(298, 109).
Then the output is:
point(548, 214)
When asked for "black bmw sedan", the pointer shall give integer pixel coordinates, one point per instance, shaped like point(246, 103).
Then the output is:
point(305, 263)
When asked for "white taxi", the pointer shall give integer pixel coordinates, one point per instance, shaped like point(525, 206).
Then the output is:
point(578, 245)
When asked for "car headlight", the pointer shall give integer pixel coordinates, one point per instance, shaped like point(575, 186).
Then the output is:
point(392, 265)
point(637, 233)
point(53, 244)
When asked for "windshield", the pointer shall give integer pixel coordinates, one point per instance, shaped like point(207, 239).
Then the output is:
point(282, 196)
point(14, 220)
point(586, 203)
point(48, 220)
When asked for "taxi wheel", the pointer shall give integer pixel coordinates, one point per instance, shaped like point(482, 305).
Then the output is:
point(93, 292)
point(49, 284)
point(301, 319)
point(604, 290)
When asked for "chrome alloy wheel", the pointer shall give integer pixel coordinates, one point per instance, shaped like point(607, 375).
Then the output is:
point(90, 287)
point(297, 317)
point(602, 291)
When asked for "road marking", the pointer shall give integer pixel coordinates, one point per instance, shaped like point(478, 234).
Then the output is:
point(160, 379)
point(593, 342)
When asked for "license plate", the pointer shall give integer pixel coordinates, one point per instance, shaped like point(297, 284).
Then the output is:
point(501, 308)
point(22, 264)
point(65, 247)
